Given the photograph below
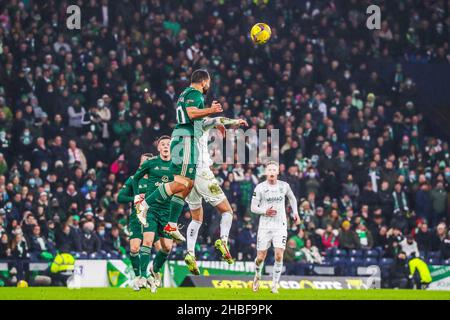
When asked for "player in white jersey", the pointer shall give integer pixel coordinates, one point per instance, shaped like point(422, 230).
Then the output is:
point(206, 187)
point(269, 201)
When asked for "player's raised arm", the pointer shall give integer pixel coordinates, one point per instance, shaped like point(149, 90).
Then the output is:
point(196, 113)
point(222, 121)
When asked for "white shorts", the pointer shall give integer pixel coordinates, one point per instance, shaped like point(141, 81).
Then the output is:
point(267, 236)
point(205, 187)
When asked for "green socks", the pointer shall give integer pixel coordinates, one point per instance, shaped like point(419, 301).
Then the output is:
point(135, 262)
point(145, 260)
point(158, 196)
point(160, 258)
point(176, 208)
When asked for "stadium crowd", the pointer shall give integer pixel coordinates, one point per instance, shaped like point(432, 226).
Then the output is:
point(354, 148)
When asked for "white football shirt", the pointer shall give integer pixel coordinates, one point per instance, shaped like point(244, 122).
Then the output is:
point(273, 196)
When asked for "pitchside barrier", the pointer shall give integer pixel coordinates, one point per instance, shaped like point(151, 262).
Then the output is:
point(286, 282)
point(219, 274)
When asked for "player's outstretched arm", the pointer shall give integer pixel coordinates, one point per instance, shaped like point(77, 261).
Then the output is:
point(196, 113)
point(210, 123)
point(126, 193)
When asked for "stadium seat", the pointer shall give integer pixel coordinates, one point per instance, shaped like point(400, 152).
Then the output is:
point(355, 261)
point(330, 252)
point(355, 253)
point(371, 254)
point(340, 253)
point(433, 261)
point(386, 261)
point(434, 255)
point(370, 261)
point(339, 261)
point(423, 255)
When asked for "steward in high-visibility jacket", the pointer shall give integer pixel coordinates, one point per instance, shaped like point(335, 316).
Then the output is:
point(63, 263)
point(423, 276)
point(62, 269)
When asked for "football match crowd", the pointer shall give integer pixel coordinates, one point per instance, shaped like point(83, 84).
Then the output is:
point(353, 147)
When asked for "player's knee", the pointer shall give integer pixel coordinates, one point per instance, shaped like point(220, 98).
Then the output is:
point(260, 257)
point(147, 243)
point(196, 215)
point(166, 247)
point(134, 248)
point(279, 256)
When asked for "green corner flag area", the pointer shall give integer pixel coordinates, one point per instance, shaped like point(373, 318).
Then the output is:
point(45, 293)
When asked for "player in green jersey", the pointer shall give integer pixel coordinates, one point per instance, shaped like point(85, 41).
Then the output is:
point(135, 228)
point(158, 171)
point(190, 112)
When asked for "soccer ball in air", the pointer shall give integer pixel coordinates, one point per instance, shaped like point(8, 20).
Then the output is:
point(260, 33)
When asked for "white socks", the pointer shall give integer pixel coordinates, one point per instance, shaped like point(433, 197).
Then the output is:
point(259, 268)
point(225, 225)
point(277, 269)
point(192, 230)
point(192, 233)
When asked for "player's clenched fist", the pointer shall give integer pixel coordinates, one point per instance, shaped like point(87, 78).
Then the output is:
point(271, 212)
point(216, 107)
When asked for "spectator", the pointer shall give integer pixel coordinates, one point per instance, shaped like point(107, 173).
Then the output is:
point(39, 245)
point(424, 238)
point(330, 238)
point(365, 236)
point(445, 247)
point(246, 242)
point(76, 114)
point(423, 202)
point(311, 253)
point(293, 253)
point(348, 239)
point(90, 242)
point(409, 247)
point(67, 240)
point(399, 273)
point(299, 239)
point(113, 243)
point(439, 236)
point(439, 199)
point(76, 156)
point(5, 250)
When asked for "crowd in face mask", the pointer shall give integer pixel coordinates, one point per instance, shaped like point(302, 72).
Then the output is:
point(75, 117)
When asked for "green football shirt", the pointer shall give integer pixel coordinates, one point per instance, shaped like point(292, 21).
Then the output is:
point(158, 172)
point(190, 97)
point(126, 194)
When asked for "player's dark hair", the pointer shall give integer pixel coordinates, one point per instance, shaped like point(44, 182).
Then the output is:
point(162, 138)
point(199, 75)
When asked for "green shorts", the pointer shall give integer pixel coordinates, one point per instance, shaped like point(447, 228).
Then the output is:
point(137, 229)
point(156, 223)
point(184, 152)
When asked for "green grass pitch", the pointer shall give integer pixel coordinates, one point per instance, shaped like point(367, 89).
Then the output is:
point(45, 293)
